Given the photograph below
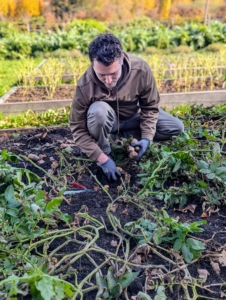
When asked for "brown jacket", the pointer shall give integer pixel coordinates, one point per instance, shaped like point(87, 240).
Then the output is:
point(136, 90)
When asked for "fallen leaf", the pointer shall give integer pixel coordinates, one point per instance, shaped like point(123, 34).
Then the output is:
point(204, 215)
point(208, 212)
point(50, 171)
point(216, 267)
point(203, 273)
point(96, 188)
point(222, 258)
point(124, 212)
point(113, 207)
point(63, 146)
point(54, 164)
point(185, 209)
point(35, 136)
point(86, 222)
point(42, 156)
point(191, 207)
point(106, 187)
point(143, 250)
point(44, 135)
point(137, 260)
point(41, 161)
point(114, 243)
point(155, 272)
point(212, 211)
point(222, 295)
point(33, 157)
point(120, 189)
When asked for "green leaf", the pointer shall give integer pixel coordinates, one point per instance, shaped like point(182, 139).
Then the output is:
point(102, 286)
point(202, 183)
point(53, 204)
point(143, 296)
point(205, 171)
point(116, 290)
point(160, 294)
point(39, 196)
point(12, 212)
point(177, 166)
point(111, 281)
point(211, 176)
point(59, 290)
point(177, 245)
point(126, 279)
point(214, 166)
point(45, 286)
point(202, 164)
point(221, 170)
point(68, 289)
point(9, 195)
point(157, 238)
point(187, 254)
point(145, 222)
point(195, 244)
point(152, 226)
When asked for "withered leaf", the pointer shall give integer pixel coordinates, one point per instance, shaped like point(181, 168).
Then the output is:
point(44, 135)
point(54, 164)
point(155, 272)
point(208, 212)
point(106, 187)
point(216, 267)
point(204, 215)
point(114, 243)
point(113, 207)
point(191, 207)
point(50, 171)
point(203, 273)
point(63, 146)
point(96, 188)
point(86, 222)
point(222, 295)
point(124, 212)
point(41, 161)
point(137, 260)
point(33, 157)
point(222, 258)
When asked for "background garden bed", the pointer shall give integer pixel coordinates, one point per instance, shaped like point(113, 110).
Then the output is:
point(17, 101)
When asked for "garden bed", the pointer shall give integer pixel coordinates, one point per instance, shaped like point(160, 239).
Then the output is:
point(20, 99)
point(106, 207)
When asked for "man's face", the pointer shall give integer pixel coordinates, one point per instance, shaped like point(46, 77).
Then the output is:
point(109, 75)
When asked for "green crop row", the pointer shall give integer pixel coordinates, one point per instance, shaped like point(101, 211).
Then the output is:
point(135, 36)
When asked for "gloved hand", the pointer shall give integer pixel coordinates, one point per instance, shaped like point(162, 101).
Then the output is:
point(143, 144)
point(110, 169)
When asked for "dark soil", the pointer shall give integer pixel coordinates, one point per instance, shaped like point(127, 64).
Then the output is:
point(64, 92)
point(177, 86)
point(47, 144)
point(40, 93)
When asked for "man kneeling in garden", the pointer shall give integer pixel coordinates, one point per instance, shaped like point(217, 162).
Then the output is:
point(117, 94)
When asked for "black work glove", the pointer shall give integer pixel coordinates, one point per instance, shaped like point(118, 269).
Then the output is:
point(110, 170)
point(143, 144)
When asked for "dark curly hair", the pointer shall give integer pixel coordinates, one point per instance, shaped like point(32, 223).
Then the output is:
point(106, 48)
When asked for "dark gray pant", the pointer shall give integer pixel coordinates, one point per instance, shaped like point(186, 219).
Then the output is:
point(102, 121)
